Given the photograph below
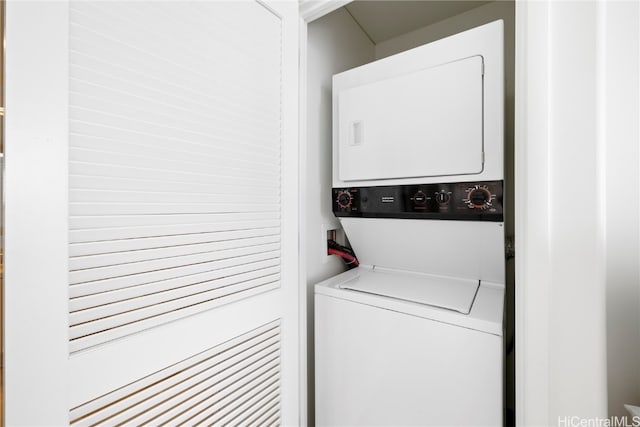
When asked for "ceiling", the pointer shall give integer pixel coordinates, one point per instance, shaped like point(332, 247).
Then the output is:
point(382, 20)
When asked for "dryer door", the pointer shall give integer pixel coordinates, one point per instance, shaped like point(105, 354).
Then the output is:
point(422, 124)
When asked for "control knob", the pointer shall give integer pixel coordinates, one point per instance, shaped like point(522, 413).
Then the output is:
point(344, 199)
point(478, 197)
point(420, 198)
point(443, 198)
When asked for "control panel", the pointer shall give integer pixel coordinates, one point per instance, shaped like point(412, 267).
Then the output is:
point(477, 201)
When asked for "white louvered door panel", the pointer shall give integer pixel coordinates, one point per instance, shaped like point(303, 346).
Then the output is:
point(177, 140)
point(236, 381)
point(147, 108)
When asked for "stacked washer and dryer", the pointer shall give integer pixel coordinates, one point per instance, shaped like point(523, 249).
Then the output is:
point(414, 335)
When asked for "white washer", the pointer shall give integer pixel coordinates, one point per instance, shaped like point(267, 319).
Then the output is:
point(414, 336)
point(382, 360)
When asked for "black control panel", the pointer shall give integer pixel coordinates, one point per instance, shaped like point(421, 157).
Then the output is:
point(471, 201)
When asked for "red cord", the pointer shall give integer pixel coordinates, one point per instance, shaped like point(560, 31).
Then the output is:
point(345, 256)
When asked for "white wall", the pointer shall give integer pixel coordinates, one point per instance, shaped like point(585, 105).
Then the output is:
point(578, 305)
point(335, 44)
point(621, 87)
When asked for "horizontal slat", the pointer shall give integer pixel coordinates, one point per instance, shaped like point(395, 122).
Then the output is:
point(93, 169)
point(249, 109)
point(135, 26)
point(235, 414)
point(141, 325)
point(114, 283)
point(154, 87)
point(175, 208)
point(151, 243)
point(182, 296)
point(190, 380)
point(128, 257)
point(216, 397)
point(183, 391)
point(88, 222)
point(203, 122)
point(159, 309)
point(132, 184)
point(267, 382)
point(100, 83)
point(270, 418)
point(273, 420)
point(268, 22)
point(167, 388)
point(161, 42)
point(260, 337)
point(136, 232)
point(242, 403)
point(82, 302)
point(195, 165)
point(198, 21)
point(234, 104)
point(147, 170)
point(210, 154)
point(98, 120)
point(87, 134)
point(186, 197)
point(266, 412)
point(97, 77)
point(175, 73)
point(259, 409)
point(166, 264)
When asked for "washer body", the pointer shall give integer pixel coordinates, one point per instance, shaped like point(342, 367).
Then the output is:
point(386, 361)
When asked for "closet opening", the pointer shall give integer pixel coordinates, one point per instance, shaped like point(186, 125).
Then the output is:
point(357, 34)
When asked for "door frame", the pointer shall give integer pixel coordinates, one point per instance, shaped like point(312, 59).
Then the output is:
point(310, 10)
point(527, 169)
point(36, 210)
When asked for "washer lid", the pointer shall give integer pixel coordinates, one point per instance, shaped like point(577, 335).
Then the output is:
point(439, 291)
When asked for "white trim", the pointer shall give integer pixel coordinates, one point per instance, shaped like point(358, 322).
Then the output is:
point(560, 252)
point(290, 213)
point(532, 261)
point(532, 158)
point(310, 10)
point(303, 387)
point(36, 214)
point(524, 15)
point(600, 151)
point(302, 263)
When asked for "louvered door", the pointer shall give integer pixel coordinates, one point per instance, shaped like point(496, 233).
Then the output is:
point(152, 213)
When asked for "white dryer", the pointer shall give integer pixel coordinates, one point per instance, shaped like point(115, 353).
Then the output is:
point(414, 336)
